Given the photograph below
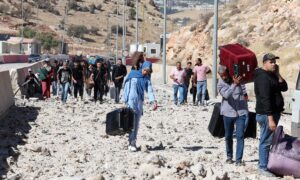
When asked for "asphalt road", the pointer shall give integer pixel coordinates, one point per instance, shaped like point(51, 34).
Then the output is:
point(5, 67)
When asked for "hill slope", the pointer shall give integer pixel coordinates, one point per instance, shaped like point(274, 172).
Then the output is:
point(99, 16)
point(263, 26)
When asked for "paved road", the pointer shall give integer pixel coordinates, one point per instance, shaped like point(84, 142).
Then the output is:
point(5, 67)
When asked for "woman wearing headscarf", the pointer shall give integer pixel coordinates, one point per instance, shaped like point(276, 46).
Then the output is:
point(137, 82)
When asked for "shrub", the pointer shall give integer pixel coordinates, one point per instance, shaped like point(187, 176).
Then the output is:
point(132, 14)
point(92, 8)
point(47, 41)
point(77, 31)
point(4, 8)
point(114, 29)
point(85, 9)
point(234, 33)
point(72, 4)
point(115, 11)
point(99, 7)
point(94, 30)
point(28, 32)
point(193, 27)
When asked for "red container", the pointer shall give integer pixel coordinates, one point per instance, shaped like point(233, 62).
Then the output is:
point(239, 61)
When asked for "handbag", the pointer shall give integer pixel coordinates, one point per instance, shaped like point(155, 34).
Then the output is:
point(284, 156)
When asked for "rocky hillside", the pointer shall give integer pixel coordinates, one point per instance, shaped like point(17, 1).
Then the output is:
point(263, 26)
point(98, 18)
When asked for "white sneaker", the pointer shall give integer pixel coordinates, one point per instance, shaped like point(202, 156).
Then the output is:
point(132, 148)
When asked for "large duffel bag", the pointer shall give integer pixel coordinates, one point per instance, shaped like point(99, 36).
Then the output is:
point(119, 121)
point(216, 124)
point(239, 61)
point(284, 156)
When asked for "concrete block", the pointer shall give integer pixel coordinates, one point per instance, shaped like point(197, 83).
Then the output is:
point(6, 93)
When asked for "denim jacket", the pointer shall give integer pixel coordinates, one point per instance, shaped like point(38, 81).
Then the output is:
point(233, 100)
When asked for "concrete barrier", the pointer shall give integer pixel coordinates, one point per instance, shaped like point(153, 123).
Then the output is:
point(18, 76)
point(6, 93)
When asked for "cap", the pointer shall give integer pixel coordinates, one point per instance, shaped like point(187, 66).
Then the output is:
point(29, 70)
point(47, 60)
point(269, 56)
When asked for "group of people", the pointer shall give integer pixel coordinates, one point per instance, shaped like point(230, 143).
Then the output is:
point(182, 78)
point(268, 85)
point(66, 76)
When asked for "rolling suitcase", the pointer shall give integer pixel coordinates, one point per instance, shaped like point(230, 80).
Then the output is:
point(284, 156)
point(112, 92)
point(119, 121)
point(216, 124)
point(239, 61)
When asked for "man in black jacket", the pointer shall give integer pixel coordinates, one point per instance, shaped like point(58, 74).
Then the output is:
point(99, 79)
point(118, 74)
point(268, 85)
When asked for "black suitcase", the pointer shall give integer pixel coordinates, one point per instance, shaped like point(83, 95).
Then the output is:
point(216, 124)
point(119, 121)
point(251, 128)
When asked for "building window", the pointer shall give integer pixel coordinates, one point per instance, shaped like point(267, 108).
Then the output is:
point(153, 51)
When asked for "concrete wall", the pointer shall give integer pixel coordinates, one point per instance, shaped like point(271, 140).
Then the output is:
point(18, 76)
point(6, 93)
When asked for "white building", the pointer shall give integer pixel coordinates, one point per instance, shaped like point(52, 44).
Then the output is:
point(151, 50)
point(15, 45)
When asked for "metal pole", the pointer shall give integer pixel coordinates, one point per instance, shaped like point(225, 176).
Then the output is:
point(64, 23)
point(215, 51)
point(164, 42)
point(136, 25)
point(22, 30)
point(117, 31)
point(124, 31)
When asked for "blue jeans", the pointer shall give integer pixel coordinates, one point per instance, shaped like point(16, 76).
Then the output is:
point(65, 91)
point(137, 106)
point(201, 90)
point(179, 88)
point(229, 127)
point(186, 91)
point(266, 136)
point(54, 88)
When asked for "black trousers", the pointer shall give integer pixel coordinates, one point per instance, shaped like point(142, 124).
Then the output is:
point(78, 87)
point(98, 89)
point(118, 87)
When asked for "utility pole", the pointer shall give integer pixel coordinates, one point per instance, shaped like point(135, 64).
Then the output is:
point(64, 23)
point(117, 31)
point(22, 30)
point(215, 50)
point(108, 36)
point(124, 32)
point(164, 42)
point(137, 25)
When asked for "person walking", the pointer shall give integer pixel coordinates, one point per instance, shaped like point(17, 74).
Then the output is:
point(189, 73)
point(137, 82)
point(178, 76)
point(118, 73)
point(234, 108)
point(200, 72)
point(31, 84)
point(268, 85)
point(78, 80)
point(64, 76)
point(99, 79)
point(46, 75)
point(54, 80)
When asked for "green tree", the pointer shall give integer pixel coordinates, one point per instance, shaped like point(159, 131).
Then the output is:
point(77, 31)
point(28, 32)
point(47, 41)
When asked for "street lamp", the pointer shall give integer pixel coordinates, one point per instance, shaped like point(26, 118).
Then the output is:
point(215, 50)
point(136, 25)
point(164, 42)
